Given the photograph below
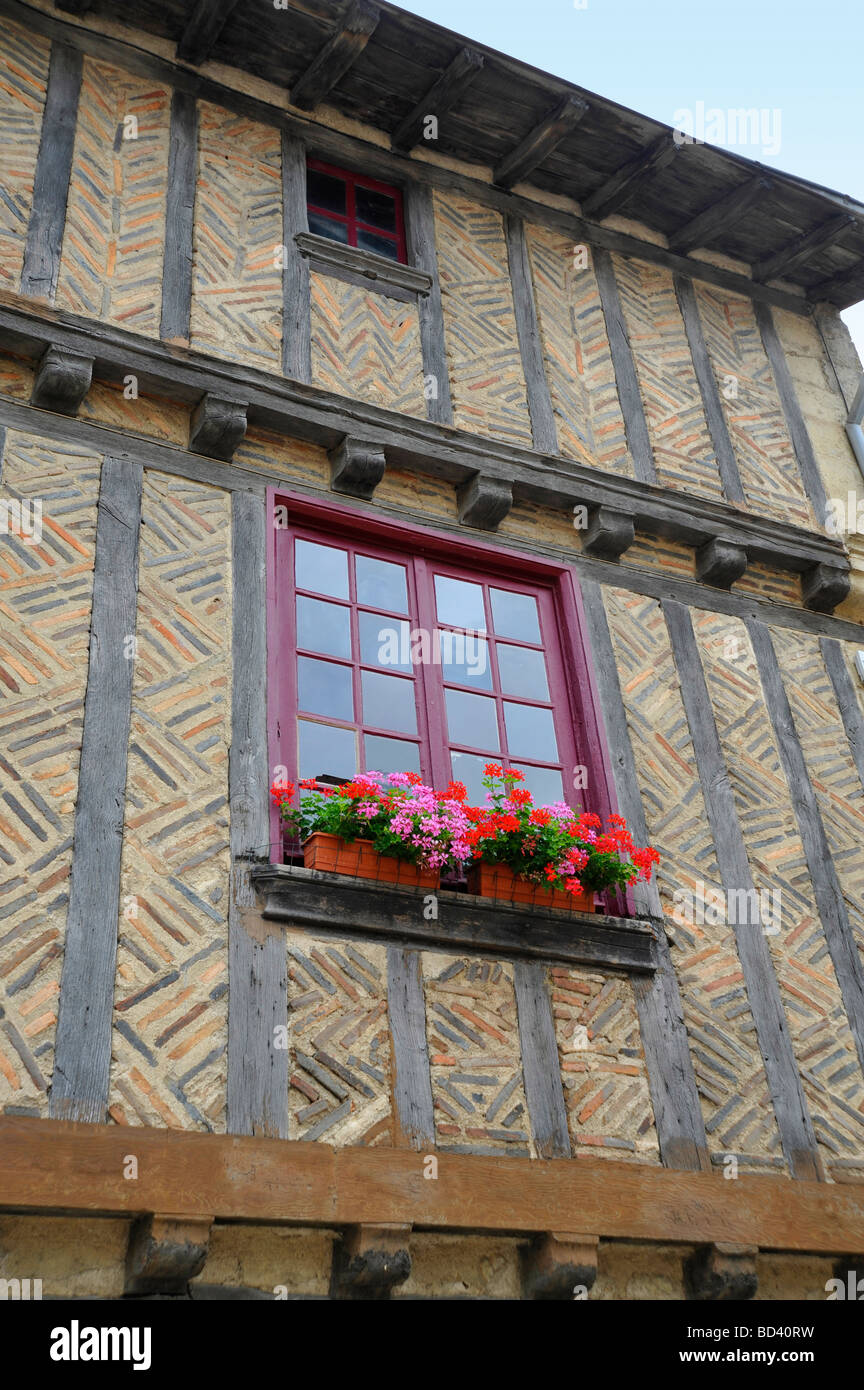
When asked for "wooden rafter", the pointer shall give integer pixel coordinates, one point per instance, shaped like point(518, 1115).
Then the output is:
point(625, 181)
point(847, 286)
point(441, 97)
point(341, 50)
point(540, 142)
point(720, 216)
point(810, 244)
point(203, 28)
point(74, 6)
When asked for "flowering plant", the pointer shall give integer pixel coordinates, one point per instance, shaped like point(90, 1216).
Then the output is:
point(400, 815)
point(553, 844)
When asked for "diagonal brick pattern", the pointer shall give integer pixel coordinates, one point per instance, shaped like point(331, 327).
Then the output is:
point(339, 1040)
point(487, 385)
point(606, 1092)
point(475, 1054)
point(366, 346)
point(45, 598)
point(111, 265)
point(24, 62)
point(170, 1006)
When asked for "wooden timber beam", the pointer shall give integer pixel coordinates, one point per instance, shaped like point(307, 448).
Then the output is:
point(803, 247)
point(846, 287)
point(74, 6)
point(65, 1167)
point(539, 142)
point(441, 97)
point(720, 216)
point(341, 50)
point(203, 28)
point(625, 181)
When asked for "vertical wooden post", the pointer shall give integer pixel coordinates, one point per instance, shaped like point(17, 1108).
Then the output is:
point(420, 236)
point(629, 394)
point(41, 267)
point(412, 1087)
point(543, 428)
point(727, 463)
point(541, 1067)
point(179, 218)
point(296, 317)
point(809, 468)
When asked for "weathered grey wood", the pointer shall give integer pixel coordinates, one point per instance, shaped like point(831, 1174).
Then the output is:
point(842, 289)
point(217, 427)
point(420, 236)
point(809, 468)
point(720, 562)
point(721, 1272)
point(803, 247)
point(677, 1112)
point(484, 502)
point(41, 267)
point(772, 1030)
point(441, 97)
point(2, 449)
point(257, 964)
point(823, 875)
point(635, 426)
point(608, 533)
point(627, 180)
point(540, 141)
point(62, 381)
point(324, 254)
point(724, 450)
point(179, 218)
point(412, 1085)
point(847, 699)
point(203, 27)
point(541, 1067)
point(825, 586)
point(536, 386)
point(356, 467)
point(720, 216)
point(296, 319)
point(75, 6)
point(82, 1060)
point(341, 50)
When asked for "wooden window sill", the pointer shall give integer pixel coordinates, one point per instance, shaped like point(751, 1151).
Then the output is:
point(363, 267)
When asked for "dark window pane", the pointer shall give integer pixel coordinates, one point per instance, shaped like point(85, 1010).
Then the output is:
point(325, 688)
point(515, 615)
point(468, 768)
point(391, 754)
point(381, 245)
point(323, 627)
point(388, 702)
point(465, 659)
point(522, 672)
point(460, 603)
point(471, 720)
point(321, 568)
point(544, 783)
point(381, 584)
point(385, 642)
point(326, 751)
point(325, 191)
point(328, 226)
point(530, 731)
point(378, 209)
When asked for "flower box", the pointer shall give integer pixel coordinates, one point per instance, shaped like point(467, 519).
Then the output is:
point(498, 881)
point(360, 859)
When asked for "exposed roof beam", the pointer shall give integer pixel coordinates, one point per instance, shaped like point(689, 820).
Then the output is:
point(341, 50)
point(720, 216)
point(74, 6)
point(624, 182)
point(441, 97)
point(843, 289)
point(540, 141)
point(203, 28)
point(810, 244)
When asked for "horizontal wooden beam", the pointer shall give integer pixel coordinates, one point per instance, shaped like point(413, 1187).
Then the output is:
point(65, 1167)
point(803, 247)
point(332, 61)
point(540, 142)
point(203, 28)
point(629, 178)
point(441, 97)
point(720, 216)
point(842, 289)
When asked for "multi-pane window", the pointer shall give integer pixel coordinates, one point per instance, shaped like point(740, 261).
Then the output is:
point(354, 210)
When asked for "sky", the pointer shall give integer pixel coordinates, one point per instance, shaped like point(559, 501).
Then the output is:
point(802, 64)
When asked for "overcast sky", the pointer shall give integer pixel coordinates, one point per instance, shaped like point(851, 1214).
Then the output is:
point(801, 63)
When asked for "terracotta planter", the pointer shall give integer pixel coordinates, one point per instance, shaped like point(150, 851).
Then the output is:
point(360, 859)
point(498, 881)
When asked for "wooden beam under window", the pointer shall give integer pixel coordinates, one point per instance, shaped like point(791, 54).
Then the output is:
point(341, 50)
point(203, 28)
point(720, 216)
point(625, 181)
point(539, 142)
point(441, 97)
point(810, 244)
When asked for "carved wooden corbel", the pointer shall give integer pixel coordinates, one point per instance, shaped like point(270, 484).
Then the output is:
point(721, 1272)
point(63, 379)
point(484, 501)
point(720, 562)
point(824, 586)
point(609, 533)
point(370, 1261)
point(218, 426)
point(556, 1263)
point(356, 467)
point(165, 1252)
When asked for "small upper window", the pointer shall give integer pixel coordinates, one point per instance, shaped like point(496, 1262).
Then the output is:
point(355, 210)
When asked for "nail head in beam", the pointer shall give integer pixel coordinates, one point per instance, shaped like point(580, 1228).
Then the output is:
point(721, 1273)
point(203, 28)
point(341, 50)
point(720, 562)
point(165, 1252)
point(441, 97)
point(218, 426)
point(803, 247)
point(62, 381)
point(370, 1261)
point(824, 587)
point(720, 216)
point(356, 467)
point(556, 1262)
point(624, 182)
point(484, 502)
point(539, 142)
point(609, 533)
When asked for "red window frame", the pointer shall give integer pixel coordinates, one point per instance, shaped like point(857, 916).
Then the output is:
point(350, 219)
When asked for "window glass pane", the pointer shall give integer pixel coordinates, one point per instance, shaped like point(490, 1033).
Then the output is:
point(391, 754)
point(381, 584)
point(471, 719)
point(544, 784)
point(378, 209)
point(326, 751)
point(323, 627)
point(468, 768)
point(321, 568)
point(515, 615)
point(325, 191)
point(388, 702)
point(530, 731)
point(324, 688)
point(328, 226)
point(465, 659)
point(460, 603)
point(381, 245)
point(385, 642)
point(522, 671)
